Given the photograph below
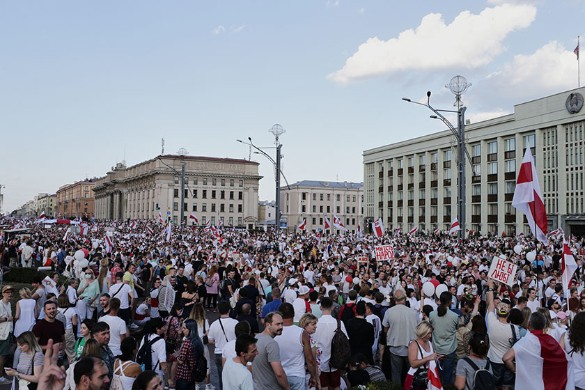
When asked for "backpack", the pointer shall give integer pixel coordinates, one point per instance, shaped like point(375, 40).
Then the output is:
point(199, 369)
point(340, 349)
point(514, 339)
point(482, 379)
point(347, 312)
point(144, 355)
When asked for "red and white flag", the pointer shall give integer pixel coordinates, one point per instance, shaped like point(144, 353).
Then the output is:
point(208, 224)
point(94, 228)
point(378, 228)
point(433, 376)
point(160, 217)
point(303, 225)
point(42, 215)
point(413, 231)
point(359, 230)
point(168, 231)
point(437, 231)
point(83, 228)
point(454, 226)
point(194, 218)
point(109, 244)
point(134, 224)
point(568, 267)
point(528, 198)
point(149, 230)
point(326, 223)
point(66, 236)
point(337, 223)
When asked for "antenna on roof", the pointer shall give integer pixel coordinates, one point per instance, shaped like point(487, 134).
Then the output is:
point(162, 145)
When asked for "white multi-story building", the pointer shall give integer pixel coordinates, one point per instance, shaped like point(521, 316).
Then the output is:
point(317, 200)
point(216, 189)
point(414, 183)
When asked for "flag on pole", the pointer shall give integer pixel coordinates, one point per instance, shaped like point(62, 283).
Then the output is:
point(454, 226)
point(528, 198)
point(160, 217)
point(326, 223)
point(413, 231)
point(149, 230)
point(568, 267)
point(67, 232)
point(378, 228)
point(303, 225)
point(338, 224)
point(194, 218)
point(42, 215)
point(576, 51)
point(437, 231)
point(168, 231)
point(359, 230)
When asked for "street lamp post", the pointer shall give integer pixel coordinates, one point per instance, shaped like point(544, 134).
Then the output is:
point(277, 131)
point(457, 85)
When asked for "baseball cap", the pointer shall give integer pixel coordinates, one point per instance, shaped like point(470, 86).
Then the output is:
point(503, 308)
point(304, 290)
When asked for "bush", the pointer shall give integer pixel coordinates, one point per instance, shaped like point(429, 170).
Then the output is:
point(379, 386)
point(22, 275)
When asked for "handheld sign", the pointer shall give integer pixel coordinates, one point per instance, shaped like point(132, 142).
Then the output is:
point(363, 259)
point(502, 271)
point(384, 252)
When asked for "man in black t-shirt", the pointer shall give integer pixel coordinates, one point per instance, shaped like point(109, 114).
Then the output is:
point(49, 328)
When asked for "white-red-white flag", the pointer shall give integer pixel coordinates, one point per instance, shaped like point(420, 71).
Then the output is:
point(194, 218)
point(109, 244)
point(568, 267)
point(326, 223)
point(528, 198)
point(42, 215)
point(83, 228)
point(67, 232)
point(378, 227)
point(168, 231)
point(133, 224)
point(303, 225)
point(433, 376)
point(437, 231)
point(160, 217)
point(359, 230)
point(337, 223)
point(413, 231)
point(454, 226)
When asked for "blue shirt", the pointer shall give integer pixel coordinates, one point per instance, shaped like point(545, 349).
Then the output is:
point(270, 307)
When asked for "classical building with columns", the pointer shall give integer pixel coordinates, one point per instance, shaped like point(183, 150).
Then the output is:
point(216, 189)
point(414, 183)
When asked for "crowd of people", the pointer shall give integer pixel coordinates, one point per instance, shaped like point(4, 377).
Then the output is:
point(125, 305)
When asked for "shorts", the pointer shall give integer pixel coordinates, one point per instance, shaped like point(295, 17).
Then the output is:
point(330, 379)
point(5, 347)
point(502, 375)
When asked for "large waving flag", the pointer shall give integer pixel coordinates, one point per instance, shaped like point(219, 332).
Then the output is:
point(433, 376)
point(303, 225)
point(528, 198)
point(160, 217)
point(109, 244)
point(568, 267)
point(413, 231)
point(378, 228)
point(194, 218)
point(454, 226)
point(326, 223)
point(168, 231)
point(338, 224)
point(42, 215)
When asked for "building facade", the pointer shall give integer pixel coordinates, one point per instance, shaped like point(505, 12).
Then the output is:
point(216, 189)
point(266, 215)
point(317, 200)
point(45, 203)
point(76, 200)
point(414, 183)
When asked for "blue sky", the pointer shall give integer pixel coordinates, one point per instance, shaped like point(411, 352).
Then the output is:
point(86, 84)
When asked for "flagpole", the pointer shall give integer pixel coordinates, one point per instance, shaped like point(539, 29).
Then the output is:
point(578, 65)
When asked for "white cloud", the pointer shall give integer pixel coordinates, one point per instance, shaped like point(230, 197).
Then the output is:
point(361, 11)
point(218, 30)
point(237, 29)
point(475, 117)
point(470, 41)
point(550, 69)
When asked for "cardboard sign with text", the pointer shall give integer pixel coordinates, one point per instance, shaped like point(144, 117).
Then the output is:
point(363, 259)
point(502, 271)
point(384, 252)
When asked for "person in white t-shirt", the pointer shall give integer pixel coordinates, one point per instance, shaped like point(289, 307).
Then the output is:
point(152, 330)
point(124, 293)
point(118, 329)
point(229, 349)
point(236, 375)
point(221, 332)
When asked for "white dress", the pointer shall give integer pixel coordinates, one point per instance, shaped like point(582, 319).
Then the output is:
point(27, 316)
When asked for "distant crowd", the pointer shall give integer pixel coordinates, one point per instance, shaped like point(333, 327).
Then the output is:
point(125, 305)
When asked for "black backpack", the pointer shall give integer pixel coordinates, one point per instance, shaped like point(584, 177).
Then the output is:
point(340, 349)
point(199, 368)
point(347, 312)
point(482, 379)
point(144, 355)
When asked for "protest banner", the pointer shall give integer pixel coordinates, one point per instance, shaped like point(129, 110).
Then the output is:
point(363, 259)
point(502, 271)
point(384, 252)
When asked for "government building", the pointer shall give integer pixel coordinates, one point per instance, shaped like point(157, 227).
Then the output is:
point(314, 201)
point(414, 183)
point(215, 190)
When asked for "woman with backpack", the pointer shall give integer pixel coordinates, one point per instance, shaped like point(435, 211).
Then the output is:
point(190, 355)
point(475, 370)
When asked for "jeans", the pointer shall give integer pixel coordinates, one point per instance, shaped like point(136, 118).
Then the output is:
point(447, 369)
point(219, 368)
point(297, 382)
point(182, 384)
point(395, 367)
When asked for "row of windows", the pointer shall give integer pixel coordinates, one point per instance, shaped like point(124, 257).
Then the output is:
point(213, 209)
point(348, 221)
point(304, 196)
point(213, 181)
point(222, 194)
point(348, 209)
point(203, 220)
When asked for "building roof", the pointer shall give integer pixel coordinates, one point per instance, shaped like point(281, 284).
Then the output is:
point(327, 184)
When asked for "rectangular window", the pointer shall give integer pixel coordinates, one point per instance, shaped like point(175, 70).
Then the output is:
point(400, 163)
point(447, 173)
point(240, 219)
point(314, 221)
point(320, 209)
point(510, 186)
point(338, 198)
point(492, 168)
point(231, 221)
point(204, 181)
point(347, 198)
point(529, 141)
point(328, 197)
point(353, 198)
point(231, 208)
point(492, 147)
point(422, 159)
point(510, 165)
point(176, 193)
point(221, 194)
point(240, 208)
point(223, 182)
point(231, 195)
point(328, 209)
point(212, 221)
point(476, 209)
point(476, 169)
point(204, 207)
point(476, 190)
point(231, 185)
point(434, 157)
point(337, 209)
point(447, 192)
point(213, 181)
point(221, 208)
point(194, 207)
point(203, 220)
point(321, 197)
point(175, 206)
point(475, 150)
point(314, 208)
point(240, 195)
point(411, 161)
point(492, 188)
point(194, 194)
point(213, 193)
point(447, 155)
point(314, 196)
point(241, 184)
point(204, 194)
point(510, 144)
point(304, 196)
point(213, 207)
